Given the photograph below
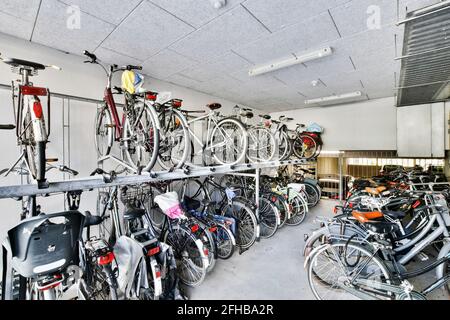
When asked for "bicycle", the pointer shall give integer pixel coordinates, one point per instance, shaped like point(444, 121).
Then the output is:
point(356, 263)
point(138, 132)
point(261, 145)
point(226, 138)
point(31, 129)
point(49, 255)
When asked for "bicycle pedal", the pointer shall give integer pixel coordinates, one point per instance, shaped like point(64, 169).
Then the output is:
point(422, 256)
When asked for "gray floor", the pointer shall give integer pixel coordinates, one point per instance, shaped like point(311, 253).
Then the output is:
point(272, 269)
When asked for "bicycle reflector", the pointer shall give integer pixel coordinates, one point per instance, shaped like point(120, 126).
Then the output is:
point(153, 251)
point(33, 91)
point(176, 103)
point(205, 251)
point(105, 260)
point(194, 228)
point(213, 229)
point(416, 204)
point(335, 210)
point(37, 109)
point(151, 96)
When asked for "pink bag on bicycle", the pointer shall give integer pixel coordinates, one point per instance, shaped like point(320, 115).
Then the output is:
point(170, 205)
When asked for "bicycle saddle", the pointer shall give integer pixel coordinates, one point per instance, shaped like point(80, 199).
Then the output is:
point(214, 106)
point(23, 63)
point(375, 191)
point(265, 116)
point(365, 217)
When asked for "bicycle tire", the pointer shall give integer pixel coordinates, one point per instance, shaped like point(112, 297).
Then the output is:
point(149, 138)
point(178, 123)
point(103, 120)
point(240, 134)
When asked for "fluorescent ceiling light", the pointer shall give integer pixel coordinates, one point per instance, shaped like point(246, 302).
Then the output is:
point(345, 96)
point(297, 59)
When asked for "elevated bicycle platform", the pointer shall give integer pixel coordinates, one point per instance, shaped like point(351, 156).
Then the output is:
point(95, 182)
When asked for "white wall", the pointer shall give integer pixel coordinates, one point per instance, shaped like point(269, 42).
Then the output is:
point(79, 79)
point(368, 125)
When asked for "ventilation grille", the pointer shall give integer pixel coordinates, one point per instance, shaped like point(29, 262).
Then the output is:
point(425, 72)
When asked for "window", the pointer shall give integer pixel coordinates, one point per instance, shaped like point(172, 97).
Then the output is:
point(407, 163)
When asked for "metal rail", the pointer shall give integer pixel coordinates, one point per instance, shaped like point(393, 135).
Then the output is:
point(17, 191)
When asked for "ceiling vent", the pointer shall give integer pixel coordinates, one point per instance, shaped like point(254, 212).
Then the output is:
point(425, 71)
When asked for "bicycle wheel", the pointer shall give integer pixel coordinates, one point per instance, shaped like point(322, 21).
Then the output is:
point(174, 144)
point(140, 137)
point(298, 211)
point(334, 270)
point(228, 141)
point(268, 218)
point(261, 145)
point(30, 145)
point(189, 255)
point(247, 224)
point(313, 194)
point(284, 146)
point(281, 204)
point(104, 131)
point(304, 147)
point(224, 242)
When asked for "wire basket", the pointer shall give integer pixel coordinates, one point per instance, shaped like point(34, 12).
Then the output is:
point(135, 195)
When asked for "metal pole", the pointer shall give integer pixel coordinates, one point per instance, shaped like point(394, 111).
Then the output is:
point(341, 182)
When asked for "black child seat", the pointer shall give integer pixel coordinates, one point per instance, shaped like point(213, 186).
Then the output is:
point(214, 106)
point(19, 62)
point(45, 244)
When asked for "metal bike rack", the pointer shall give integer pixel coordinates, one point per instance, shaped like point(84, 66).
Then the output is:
point(17, 191)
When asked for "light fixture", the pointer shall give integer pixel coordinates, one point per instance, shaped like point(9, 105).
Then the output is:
point(345, 96)
point(296, 59)
point(217, 4)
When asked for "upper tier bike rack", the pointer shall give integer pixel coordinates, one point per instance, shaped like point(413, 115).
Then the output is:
point(95, 182)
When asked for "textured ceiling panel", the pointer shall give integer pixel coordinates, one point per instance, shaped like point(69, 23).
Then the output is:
point(113, 11)
point(302, 36)
point(166, 63)
point(276, 15)
point(357, 16)
point(111, 57)
point(17, 17)
point(146, 31)
point(195, 12)
point(52, 29)
point(231, 30)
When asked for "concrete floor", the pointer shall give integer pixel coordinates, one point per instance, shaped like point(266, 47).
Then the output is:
point(273, 268)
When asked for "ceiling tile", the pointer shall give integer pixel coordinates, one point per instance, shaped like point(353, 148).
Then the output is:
point(195, 12)
point(112, 11)
point(381, 58)
point(112, 57)
point(56, 34)
point(306, 35)
point(354, 17)
point(17, 17)
point(276, 16)
point(182, 80)
point(221, 35)
point(141, 37)
point(166, 63)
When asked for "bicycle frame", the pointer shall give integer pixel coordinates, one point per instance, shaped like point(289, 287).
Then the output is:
point(212, 119)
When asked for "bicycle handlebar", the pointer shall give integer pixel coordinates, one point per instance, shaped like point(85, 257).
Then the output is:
point(91, 56)
point(7, 126)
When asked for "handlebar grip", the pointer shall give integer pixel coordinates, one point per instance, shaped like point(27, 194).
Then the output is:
point(131, 67)
point(7, 126)
point(97, 171)
point(90, 55)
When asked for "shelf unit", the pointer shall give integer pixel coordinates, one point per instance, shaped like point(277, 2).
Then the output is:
point(95, 182)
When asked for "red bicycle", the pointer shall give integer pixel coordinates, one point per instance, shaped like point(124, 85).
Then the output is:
point(137, 132)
